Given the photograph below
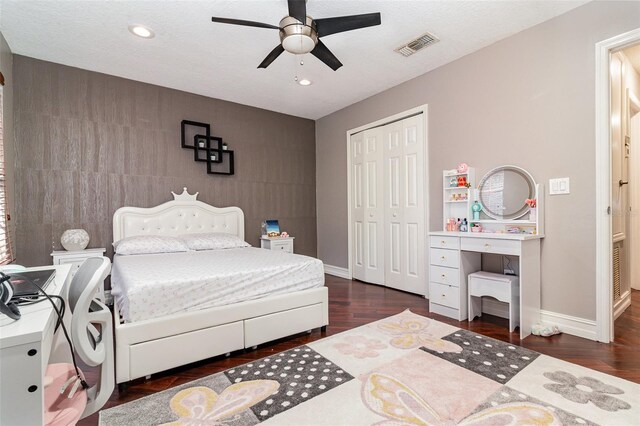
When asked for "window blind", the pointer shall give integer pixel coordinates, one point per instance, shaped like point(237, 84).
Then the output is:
point(6, 251)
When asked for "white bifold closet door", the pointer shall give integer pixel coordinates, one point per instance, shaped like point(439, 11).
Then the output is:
point(388, 205)
point(368, 211)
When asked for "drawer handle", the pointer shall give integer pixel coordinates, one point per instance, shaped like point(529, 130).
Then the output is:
point(443, 258)
point(444, 243)
point(443, 276)
point(487, 245)
point(444, 295)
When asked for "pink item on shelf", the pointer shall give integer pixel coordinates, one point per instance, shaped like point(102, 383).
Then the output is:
point(462, 168)
point(476, 229)
point(284, 234)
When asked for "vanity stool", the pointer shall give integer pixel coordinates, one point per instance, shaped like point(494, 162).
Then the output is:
point(505, 288)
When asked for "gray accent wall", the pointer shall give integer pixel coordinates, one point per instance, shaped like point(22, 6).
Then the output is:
point(89, 143)
point(527, 100)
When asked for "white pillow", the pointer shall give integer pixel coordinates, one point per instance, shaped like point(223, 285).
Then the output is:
point(149, 244)
point(213, 241)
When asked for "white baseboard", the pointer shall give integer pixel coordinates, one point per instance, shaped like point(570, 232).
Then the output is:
point(622, 304)
point(576, 326)
point(337, 271)
point(571, 325)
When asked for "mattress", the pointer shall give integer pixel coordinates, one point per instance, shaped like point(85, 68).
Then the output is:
point(154, 285)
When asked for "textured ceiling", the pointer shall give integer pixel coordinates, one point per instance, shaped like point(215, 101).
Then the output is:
point(192, 54)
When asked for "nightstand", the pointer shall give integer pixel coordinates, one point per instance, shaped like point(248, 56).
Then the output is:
point(75, 258)
point(277, 243)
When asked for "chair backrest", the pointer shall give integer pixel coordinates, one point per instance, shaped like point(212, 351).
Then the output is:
point(95, 347)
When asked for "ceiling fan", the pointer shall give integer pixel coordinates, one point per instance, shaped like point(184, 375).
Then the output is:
point(300, 33)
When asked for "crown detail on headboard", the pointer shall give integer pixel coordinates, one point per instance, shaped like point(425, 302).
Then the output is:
point(185, 196)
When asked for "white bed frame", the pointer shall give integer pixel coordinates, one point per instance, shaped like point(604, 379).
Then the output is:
point(151, 346)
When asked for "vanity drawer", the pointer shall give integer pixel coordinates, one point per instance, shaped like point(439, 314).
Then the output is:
point(444, 242)
point(491, 245)
point(445, 295)
point(442, 257)
point(443, 275)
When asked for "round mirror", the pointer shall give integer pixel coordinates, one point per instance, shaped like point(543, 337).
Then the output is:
point(503, 191)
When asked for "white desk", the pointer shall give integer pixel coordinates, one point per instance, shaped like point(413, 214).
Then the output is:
point(454, 255)
point(25, 347)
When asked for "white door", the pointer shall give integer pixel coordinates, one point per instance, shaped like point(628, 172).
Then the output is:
point(404, 205)
point(367, 208)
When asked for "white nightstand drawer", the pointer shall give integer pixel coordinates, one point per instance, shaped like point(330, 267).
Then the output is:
point(444, 242)
point(282, 246)
point(491, 245)
point(446, 295)
point(448, 258)
point(444, 275)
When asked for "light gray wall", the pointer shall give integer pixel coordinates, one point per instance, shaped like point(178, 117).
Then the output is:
point(527, 100)
point(89, 143)
point(6, 66)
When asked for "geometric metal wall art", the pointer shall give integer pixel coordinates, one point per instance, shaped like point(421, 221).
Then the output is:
point(206, 148)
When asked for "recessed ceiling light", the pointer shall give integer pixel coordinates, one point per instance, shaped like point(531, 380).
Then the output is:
point(305, 82)
point(141, 31)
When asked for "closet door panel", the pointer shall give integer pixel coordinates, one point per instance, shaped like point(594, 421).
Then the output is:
point(372, 210)
point(357, 208)
point(415, 275)
point(393, 201)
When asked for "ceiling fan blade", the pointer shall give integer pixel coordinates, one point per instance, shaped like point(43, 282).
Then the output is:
point(339, 24)
point(324, 54)
point(271, 56)
point(298, 9)
point(245, 23)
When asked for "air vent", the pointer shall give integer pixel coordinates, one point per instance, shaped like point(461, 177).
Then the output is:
point(616, 273)
point(418, 44)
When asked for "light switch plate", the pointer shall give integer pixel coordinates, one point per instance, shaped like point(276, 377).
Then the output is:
point(559, 186)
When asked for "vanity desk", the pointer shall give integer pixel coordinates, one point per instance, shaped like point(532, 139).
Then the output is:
point(455, 255)
point(505, 224)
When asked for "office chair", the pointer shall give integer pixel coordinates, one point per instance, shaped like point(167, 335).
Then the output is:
point(66, 402)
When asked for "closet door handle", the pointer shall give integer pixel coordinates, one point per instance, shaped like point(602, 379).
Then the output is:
point(395, 214)
point(370, 214)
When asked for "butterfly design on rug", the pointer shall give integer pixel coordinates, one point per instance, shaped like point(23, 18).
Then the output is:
point(202, 406)
point(410, 333)
point(400, 405)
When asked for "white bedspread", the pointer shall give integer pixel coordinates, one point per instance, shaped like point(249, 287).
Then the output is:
point(155, 285)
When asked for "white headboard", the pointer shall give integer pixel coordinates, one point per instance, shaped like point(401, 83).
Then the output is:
point(183, 215)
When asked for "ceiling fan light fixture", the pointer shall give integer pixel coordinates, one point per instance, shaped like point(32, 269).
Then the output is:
point(141, 31)
point(298, 44)
point(296, 37)
point(305, 82)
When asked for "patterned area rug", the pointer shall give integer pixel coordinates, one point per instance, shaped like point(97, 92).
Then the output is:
point(402, 370)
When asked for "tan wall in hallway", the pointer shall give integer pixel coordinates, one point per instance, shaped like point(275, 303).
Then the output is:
point(527, 100)
point(6, 66)
point(89, 143)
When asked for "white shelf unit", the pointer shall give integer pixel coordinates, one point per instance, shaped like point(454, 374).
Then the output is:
point(456, 208)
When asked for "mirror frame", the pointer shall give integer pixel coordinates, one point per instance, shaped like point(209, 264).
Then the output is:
point(525, 208)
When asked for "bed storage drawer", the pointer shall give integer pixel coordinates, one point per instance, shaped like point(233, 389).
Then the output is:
point(159, 355)
point(274, 326)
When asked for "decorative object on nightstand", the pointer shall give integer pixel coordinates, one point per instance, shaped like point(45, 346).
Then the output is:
point(270, 228)
point(75, 239)
point(277, 243)
point(76, 258)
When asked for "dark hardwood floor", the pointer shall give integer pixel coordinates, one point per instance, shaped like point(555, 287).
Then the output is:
point(353, 303)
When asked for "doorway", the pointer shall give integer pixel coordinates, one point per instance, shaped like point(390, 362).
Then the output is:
point(625, 91)
point(615, 170)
